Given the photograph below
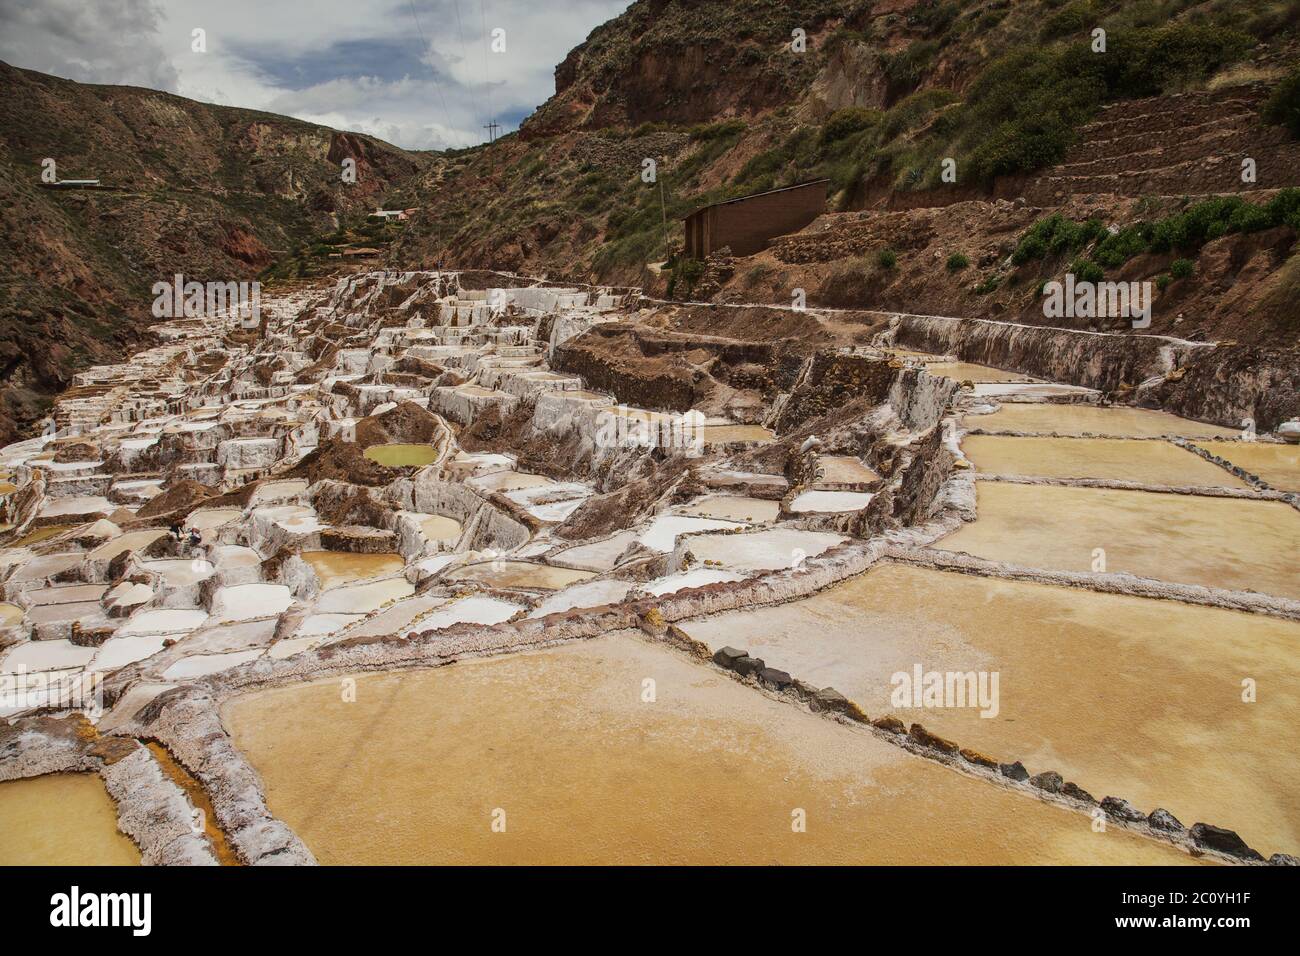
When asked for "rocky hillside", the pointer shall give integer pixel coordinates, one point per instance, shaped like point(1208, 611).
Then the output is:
point(211, 192)
point(1036, 121)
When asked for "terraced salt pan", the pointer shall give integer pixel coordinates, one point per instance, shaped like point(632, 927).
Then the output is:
point(467, 610)
point(397, 618)
point(733, 508)
point(662, 533)
point(62, 819)
point(181, 572)
point(1073, 419)
point(64, 594)
point(323, 625)
point(363, 598)
point(46, 565)
point(1117, 459)
point(504, 481)
point(589, 594)
point(821, 502)
point(296, 518)
point(162, 621)
point(519, 574)
point(119, 651)
point(77, 505)
point(33, 656)
point(723, 434)
point(1218, 542)
point(207, 519)
point(278, 490)
point(438, 529)
point(10, 614)
point(1031, 389)
point(200, 665)
point(130, 541)
point(399, 455)
point(838, 470)
point(410, 751)
point(1277, 464)
point(1127, 696)
point(694, 578)
point(769, 550)
point(972, 372)
point(599, 555)
point(243, 602)
point(334, 568)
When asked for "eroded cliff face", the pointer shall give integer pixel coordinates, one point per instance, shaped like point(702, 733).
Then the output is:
point(1233, 385)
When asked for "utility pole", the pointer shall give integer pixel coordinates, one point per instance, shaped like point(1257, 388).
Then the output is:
point(492, 128)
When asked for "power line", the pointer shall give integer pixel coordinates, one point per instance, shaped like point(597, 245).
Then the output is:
point(487, 71)
point(424, 45)
point(460, 29)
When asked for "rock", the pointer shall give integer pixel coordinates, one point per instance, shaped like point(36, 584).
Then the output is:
point(1048, 780)
point(1290, 432)
point(746, 665)
point(828, 698)
point(804, 690)
point(977, 758)
point(889, 723)
point(727, 657)
point(1162, 819)
point(1072, 789)
point(775, 679)
point(1283, 859)
point(1014, 771)
point(1121, 809)
point(927, 739)
point(1225, 841)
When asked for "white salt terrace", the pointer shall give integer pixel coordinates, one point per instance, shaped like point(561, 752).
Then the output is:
point(306, 559)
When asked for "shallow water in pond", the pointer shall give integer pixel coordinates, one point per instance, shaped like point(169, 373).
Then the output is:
point(519, 574)
point(1078, 419)
point(10, 614)
point(439, 528)
point(1279, 465)
point(61, 819)
point(1128, 696)
point(1218, 542)
point(400, 455)
point(341, 567)
point(585, 772)
point(41, 534)
point(1116, 459)
point(971, 372)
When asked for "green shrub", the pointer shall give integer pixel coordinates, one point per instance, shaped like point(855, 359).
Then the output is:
point(1282, 108)
point(987, 285)
point(1163, 280)
point(957, 261)
point(1181, 268)
point(1085, 270)
point(845, 122)
point(887, 258)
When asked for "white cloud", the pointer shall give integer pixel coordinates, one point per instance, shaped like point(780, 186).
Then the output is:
point(350, 64)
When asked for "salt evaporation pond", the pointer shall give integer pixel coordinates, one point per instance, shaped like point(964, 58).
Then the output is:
point(1218, 542)
point(334, 568)
point(1134, 697)
point(519, 574)
point(1074, 419)
point(1277, 464)
point(61, 819)
point(413, 770)
point(399, 455)
point(1116, 459)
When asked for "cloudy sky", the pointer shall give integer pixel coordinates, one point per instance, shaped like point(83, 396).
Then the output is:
point(418, 73)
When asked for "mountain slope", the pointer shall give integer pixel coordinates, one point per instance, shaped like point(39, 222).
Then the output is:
point(212, 192)
point(1014, 93)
